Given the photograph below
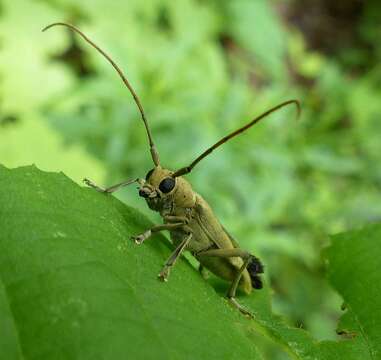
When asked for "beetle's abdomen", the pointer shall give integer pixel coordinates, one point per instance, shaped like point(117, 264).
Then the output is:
point(224, 268)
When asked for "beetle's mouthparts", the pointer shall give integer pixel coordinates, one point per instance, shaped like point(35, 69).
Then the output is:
point(143, 193)
point(146, 192)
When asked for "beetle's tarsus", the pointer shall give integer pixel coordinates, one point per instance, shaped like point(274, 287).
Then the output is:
point(237, 305)
point(164, 274)
point(139, 239)
point(92, 184)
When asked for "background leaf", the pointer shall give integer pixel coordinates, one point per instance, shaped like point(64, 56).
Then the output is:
point(354, 270)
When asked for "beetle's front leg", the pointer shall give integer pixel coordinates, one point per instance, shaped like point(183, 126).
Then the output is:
point(164, 273)
point(110, 189)
point(144, 236)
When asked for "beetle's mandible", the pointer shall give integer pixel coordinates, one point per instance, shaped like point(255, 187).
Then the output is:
point(186, 215)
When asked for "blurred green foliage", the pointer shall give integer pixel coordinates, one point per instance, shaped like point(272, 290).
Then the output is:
point(202, 69)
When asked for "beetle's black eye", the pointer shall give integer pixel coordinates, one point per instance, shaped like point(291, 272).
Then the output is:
point(149, 174)
point(167, 185)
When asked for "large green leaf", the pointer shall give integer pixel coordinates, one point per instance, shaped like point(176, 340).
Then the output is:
point(73, 286)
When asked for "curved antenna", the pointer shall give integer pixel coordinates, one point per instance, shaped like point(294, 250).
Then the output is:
point(188, 169)
point(154, 153)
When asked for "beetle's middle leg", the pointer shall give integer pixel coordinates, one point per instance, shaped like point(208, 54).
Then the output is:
point(164, 273)
point(227, 253)
point(181, 225)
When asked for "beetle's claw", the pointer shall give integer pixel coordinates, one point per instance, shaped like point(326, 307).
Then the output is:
point(164, 274)
point(88, 182)
point(93, 185)
point(236, 304)
point(141, 237)
point(138, 239)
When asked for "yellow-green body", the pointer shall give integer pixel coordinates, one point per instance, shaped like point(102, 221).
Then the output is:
point(207, 232)
point(187, 216)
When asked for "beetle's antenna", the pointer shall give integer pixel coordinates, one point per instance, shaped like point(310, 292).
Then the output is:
point(154, 153)
point(188, 169)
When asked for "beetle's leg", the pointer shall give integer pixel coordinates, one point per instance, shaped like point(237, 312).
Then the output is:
point(227, 253)
point(141, 237)
point(176, 219)
point(110, 189)
point(164, 273)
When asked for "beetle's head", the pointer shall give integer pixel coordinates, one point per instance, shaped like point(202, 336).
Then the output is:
point(161, 190)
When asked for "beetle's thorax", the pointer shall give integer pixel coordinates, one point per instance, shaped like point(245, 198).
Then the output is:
point(166, 194)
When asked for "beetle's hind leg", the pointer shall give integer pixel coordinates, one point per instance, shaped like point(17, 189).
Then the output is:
point(248, 259)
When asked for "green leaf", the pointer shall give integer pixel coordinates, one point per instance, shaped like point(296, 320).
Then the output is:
point(73, 286)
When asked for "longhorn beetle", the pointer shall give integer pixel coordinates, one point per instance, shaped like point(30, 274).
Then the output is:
point(186, 215)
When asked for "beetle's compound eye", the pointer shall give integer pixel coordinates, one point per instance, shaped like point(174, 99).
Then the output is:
point(149, 174)
point(167, 185)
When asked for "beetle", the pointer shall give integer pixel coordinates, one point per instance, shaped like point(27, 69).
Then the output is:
point(189, 219)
